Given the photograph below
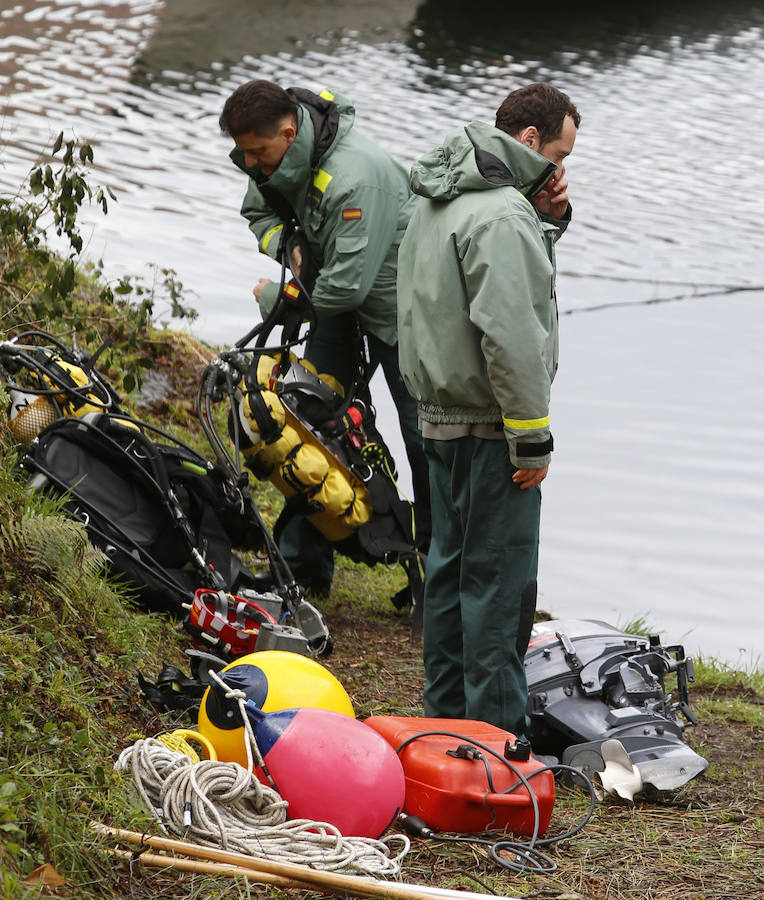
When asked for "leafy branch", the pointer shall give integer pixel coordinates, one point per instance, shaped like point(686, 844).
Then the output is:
point(60, 293)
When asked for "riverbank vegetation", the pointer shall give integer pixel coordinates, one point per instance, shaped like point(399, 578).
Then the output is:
point(72, 643)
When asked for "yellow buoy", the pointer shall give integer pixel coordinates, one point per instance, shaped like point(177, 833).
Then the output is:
point(274, 680)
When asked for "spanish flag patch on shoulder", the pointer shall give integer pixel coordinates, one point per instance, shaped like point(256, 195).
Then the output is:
point(291, 290)
point(351, 213)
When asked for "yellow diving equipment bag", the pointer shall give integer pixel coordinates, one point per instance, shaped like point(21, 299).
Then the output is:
point(285, 447)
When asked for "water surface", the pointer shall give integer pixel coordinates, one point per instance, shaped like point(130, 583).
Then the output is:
point(654, 503)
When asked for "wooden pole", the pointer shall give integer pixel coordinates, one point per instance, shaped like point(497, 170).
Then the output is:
point(310, 879)
point(205, 867)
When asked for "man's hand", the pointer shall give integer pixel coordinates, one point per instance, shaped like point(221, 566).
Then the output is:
point(258, 288)
point(553, 200)
point(296, 261)
point(528, 478)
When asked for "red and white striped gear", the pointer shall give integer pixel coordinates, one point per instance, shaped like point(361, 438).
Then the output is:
point(233, 619)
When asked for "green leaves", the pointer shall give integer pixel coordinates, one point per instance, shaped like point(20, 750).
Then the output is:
point(123, 287)
point(57, 291)
point(101, 198)
point(35, 182)
point(10, 801)
point(41, 284)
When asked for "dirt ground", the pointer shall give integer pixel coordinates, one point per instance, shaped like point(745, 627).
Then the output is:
point(704, 841)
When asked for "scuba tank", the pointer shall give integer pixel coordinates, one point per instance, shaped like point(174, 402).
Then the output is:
point(167, 519)
point(313, 472)
point(47, 381)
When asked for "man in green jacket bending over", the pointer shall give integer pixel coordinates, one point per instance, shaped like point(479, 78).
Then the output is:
point(477, 326)
point(305, 160)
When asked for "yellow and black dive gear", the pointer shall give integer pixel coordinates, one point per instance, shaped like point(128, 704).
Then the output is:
point(294, 455)
point(292, 426)
point(46, 380)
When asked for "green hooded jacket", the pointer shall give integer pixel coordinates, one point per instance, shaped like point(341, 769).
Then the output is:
point(477, 313)
point(353, 202)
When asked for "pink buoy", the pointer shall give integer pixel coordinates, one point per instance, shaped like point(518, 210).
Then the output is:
point(330, 768)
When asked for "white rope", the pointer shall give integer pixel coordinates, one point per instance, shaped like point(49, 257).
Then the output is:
point(222, 804)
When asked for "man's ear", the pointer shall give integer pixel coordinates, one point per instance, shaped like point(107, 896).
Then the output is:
point(530, 137)
point(289, 132)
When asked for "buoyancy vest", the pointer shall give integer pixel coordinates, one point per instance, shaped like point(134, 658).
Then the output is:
point(283, 444)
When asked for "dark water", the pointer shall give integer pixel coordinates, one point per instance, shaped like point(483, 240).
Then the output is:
point(655, 503)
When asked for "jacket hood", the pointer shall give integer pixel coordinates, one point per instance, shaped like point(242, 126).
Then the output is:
point(332, 116)
point(322, 120)
point(479, 157)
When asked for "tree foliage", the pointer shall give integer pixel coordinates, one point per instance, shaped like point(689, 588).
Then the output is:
point(57, 290)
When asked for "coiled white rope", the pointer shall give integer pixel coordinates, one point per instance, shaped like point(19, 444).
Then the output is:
point(222, 804)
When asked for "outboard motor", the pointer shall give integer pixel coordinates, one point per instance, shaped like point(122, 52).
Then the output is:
point(589, 683)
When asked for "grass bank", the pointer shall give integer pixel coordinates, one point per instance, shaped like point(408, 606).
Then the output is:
point(71, 644)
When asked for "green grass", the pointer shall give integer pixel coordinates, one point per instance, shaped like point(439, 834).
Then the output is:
point(638, 625)
point(732, 710)
point(712, 674)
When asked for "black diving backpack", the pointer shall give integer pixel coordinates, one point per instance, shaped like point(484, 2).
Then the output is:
point(166, 518)
point(321, 450)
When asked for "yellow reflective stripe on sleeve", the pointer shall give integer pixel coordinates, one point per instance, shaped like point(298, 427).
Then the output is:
point(321, 180)
point(268, 235)
point(525, 424)
point(326, 94)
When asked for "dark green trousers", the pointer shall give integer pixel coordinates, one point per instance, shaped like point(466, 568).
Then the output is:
point(334, 348)
point(480, 584)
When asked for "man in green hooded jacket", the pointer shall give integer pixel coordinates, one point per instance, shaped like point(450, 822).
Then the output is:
point(352, 201)
point(477, 326)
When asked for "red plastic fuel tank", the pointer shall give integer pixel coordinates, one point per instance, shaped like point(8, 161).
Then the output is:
point(453, 793)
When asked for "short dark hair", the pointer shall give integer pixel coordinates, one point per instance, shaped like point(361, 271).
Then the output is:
point(536, 104)
point(257, 106)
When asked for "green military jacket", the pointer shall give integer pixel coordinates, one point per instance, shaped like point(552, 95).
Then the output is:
point(477, 314)
point(353, 202)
